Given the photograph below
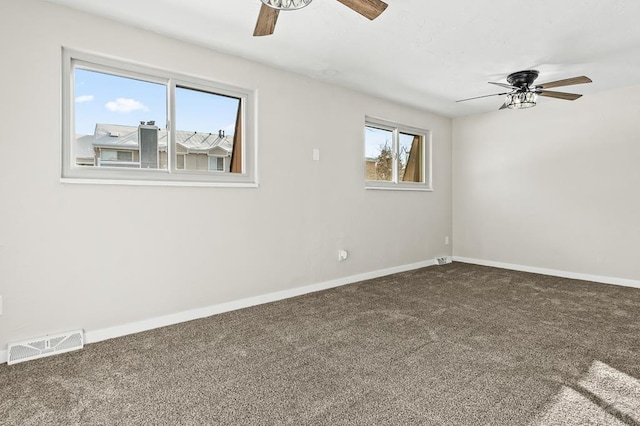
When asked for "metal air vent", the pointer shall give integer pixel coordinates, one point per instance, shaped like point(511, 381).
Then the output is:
point(41, 347)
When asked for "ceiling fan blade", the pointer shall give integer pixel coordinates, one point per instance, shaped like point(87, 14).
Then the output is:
point(370, 9)
point(565, 82)
point(485, 96)
point(266, 21)
point(559, 95)
point(505, 85)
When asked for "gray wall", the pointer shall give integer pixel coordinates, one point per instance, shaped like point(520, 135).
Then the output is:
point(554, 187)
point(97, 256)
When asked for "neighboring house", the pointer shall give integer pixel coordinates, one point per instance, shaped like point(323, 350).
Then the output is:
point(114, 145)
point(85, 154)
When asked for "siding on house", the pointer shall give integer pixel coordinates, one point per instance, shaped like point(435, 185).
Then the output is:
point(197, 147)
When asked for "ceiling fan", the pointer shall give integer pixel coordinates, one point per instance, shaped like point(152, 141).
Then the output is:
point(270, 9)
point(524, 94)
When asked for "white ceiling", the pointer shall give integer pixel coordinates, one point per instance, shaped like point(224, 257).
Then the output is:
point(418, 52)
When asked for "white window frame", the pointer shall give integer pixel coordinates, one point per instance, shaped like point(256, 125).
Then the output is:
point(72, 173)
point(396, 129)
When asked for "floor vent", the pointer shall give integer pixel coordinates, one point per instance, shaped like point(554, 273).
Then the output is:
point(41, 347)
point(443, 260)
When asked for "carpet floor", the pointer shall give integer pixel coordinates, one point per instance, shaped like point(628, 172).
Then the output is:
point(446, 345)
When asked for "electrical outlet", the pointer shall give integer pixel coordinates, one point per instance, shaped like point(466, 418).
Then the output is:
point(446, 241)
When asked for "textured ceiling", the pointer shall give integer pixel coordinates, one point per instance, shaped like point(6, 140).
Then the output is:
point(418, 52)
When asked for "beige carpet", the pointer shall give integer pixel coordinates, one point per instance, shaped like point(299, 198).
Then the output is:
point(452, 345)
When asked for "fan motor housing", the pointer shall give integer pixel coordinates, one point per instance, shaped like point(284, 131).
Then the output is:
point(522, 79)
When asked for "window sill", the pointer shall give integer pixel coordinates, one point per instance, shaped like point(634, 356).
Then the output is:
point(398, 188)
point(158, 183)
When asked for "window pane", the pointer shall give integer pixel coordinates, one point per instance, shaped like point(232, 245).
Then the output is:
point(108, 110)
point(124, 156)
point(180, 162)
point(113, 158)
point(378, 154)
point(108, 155)
point(411, 158)
point(208, 124)
point(216, 164)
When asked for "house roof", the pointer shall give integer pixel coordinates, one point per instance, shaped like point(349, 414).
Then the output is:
point(84, 146)
point(120, 136)
point(198, 141)
point(115, 135)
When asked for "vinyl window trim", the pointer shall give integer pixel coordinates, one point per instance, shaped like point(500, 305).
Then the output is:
point(71, 173)
point(397, 128)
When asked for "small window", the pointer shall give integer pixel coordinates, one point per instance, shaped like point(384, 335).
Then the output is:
point(216, 164)
point(116, 158)
point(396, 156)
point(180, 161)
point(126, 122)
point(124, 155)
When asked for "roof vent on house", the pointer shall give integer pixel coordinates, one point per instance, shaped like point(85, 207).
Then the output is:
point(221, 133)
point(114, 134)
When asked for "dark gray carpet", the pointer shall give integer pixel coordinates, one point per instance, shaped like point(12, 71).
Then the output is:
point(453, 345)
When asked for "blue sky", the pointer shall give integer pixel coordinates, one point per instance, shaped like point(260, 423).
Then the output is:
point(377, 138)
point(109, 99)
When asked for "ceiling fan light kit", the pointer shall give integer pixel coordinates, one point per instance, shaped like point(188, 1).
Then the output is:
point(524, 94)
point(286, 4)
point(521, 100)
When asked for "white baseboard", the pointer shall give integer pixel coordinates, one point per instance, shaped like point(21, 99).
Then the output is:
point(543, 271)
point(93, 336)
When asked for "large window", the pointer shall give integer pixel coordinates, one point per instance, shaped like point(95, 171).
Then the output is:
point(134, 124)
point(396, 156)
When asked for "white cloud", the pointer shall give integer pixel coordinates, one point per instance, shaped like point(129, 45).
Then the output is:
point(125, 105)
point(84, 98)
